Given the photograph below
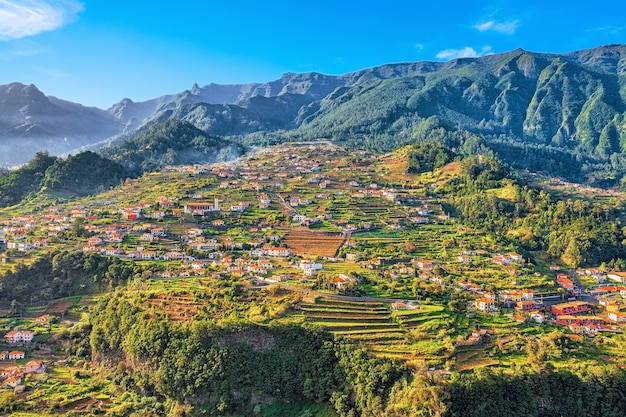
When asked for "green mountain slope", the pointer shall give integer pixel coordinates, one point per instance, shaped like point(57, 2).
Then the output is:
point(16, 185)
point(571, 108)
point(84, 174)
point(561, 114)
point(171, 142)
point(531, 97)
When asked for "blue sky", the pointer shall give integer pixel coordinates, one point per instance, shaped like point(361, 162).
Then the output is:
point(97, 52)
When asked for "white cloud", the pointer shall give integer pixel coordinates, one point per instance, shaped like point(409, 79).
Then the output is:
point(419, 46)
point(21, 18)
point(467, 52)
point(508, 28)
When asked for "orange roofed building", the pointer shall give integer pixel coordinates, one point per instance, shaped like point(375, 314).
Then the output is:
point(573, 307)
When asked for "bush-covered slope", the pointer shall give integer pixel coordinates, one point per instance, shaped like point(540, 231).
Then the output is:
point(171, 142)
point(84, 174)
point(17, 184)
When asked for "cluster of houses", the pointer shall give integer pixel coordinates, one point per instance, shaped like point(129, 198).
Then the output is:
point(11, 377)
point(108, 239)
point(508, 259)
point(574, 315)
point(597, 274)
point(264, 179)
point(13, 355)
point(611, 297)
point(566, 283)
point(526, 305)
point(523, 301)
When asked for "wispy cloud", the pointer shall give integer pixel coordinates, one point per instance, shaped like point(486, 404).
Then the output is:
point(508, 28)
point(52, 73)
point(21, 18)
point(611, 30)
point(21, 49)
point(419, 46)
point(26, 52)
point(467, 52)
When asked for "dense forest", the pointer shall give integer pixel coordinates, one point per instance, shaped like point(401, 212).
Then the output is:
point(578, 232)
point(17, 184)
point(83, 174)
point(487, 195)
point(569, 163)
point(57, 275)
point(228, 366)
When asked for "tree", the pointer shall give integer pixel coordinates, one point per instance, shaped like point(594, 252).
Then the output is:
point(78, 227)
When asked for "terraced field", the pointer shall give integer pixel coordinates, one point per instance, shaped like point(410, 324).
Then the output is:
point(178, 308)
point(408, 335)
point(306, 243)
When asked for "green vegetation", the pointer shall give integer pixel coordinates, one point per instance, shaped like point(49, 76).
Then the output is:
point(428, 156)
point(171, 142)
point(225, 363)
point(546, 114)
point(63, 274)
point(17, 184)
point(83, 174)
point(232, 331)
point(576, 231)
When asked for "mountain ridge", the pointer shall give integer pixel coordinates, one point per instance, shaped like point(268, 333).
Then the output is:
point(574, 100)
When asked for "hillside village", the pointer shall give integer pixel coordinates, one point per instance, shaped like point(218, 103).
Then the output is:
point(333, 227)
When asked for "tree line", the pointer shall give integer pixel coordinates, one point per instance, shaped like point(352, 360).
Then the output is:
point(62, 274)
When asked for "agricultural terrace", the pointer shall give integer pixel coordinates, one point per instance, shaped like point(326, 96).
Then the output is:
point(304, 242)
point(423, 334)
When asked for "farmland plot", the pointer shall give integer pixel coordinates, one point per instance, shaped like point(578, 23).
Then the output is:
point(303, 242)
point(384, 333)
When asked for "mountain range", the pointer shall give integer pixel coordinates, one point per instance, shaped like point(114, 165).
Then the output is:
point(574, 102)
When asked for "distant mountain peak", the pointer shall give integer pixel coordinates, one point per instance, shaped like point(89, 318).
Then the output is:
point(30, 121)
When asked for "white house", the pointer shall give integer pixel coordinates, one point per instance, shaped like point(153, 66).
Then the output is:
point(617, 316)
point(299, 218)
point(278, 252)
point(16, 354)
point(16, 336)
point(309, 266)
point(617, 277)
